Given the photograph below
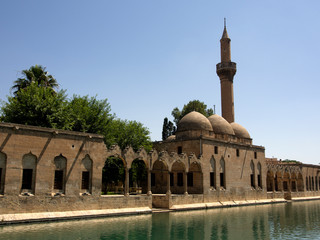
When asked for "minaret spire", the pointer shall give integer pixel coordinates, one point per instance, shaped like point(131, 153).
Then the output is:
point(226, 71)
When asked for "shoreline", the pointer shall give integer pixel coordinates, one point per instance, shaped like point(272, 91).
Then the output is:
point(21, 218)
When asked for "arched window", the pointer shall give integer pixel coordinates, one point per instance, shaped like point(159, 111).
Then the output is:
point(86, 175)
point(29, 162)
point(252, 178)
point(3, 164)
point(222, 174)
point(259, 175)
point(60, 164)
point(212, 173)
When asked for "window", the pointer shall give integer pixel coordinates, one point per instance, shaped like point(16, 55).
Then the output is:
point(252, 180)
point(259, 181)
point(27, 179)
point(171, 179)
point(222, 180)
point(58, 179)
point(285, 186)
point(255, 155)
point(215, 149)
point(212, 182)
point(179, 150)
point(85, 180)
point(238, 152)
point(153, 179)
point(180, 179)
point(222, 176)
point(190, 179)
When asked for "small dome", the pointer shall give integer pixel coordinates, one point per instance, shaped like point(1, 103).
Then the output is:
point(194, 121)
point(171, 138)
point(220, 125)
point(240, 131)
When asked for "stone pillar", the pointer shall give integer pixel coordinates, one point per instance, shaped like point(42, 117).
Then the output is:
point(168, 183)
point(273, 185)
point(126, 186)
point(149, 183)
point(185, 183)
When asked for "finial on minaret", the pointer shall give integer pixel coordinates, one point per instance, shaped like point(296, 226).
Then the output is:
point(225, 34)
point(225, 23)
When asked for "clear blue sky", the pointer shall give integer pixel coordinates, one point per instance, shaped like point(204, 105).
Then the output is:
point(148, 57)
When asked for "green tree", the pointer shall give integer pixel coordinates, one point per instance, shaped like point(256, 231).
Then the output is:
point(194, 105)
point(34, 105)
point(35, 74)
point(168, 129)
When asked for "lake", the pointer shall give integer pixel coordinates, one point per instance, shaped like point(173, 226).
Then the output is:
point(297, 220)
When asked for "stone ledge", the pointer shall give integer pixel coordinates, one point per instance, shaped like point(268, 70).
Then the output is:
point(55, 216)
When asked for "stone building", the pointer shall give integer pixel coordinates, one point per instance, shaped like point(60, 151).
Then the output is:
point(208, 161)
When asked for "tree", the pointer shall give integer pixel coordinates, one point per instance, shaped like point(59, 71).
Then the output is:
point(34, 105)
point(168, 129)
point(194, 105)
point(35, 74)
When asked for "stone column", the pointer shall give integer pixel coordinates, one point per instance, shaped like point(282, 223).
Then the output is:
point(185, 183)
point(168, 183)
point(149, 183)
point(126, 186)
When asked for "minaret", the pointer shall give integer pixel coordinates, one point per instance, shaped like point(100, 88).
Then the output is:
point(226, 70)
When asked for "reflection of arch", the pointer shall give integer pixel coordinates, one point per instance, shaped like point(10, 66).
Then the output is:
point(252, 175)
point(177, 183)
point(60, 163)
point(213, 172)
point(29, 163)
point(3, 164)
point(270, 181)
point(195, 179)
point(113, 175)
point(300, 184)
point(86, 174)
point(138, 177)
point(222, 174)
point(159, 177)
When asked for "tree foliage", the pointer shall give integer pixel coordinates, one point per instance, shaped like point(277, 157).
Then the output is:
point(194, 105)
point(168, 129)
point(37, 106)
point(35, 75)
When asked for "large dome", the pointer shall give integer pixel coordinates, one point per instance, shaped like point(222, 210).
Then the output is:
point(194, 121)
point(220, 125)
point(240, 131)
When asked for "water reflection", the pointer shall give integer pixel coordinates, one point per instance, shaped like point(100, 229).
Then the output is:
point(299, 220)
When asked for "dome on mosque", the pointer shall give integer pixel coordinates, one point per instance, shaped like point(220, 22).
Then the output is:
point(220, 125)
point(239, 130)
point(194, 121)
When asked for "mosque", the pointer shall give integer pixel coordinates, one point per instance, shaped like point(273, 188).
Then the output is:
point(209, 162)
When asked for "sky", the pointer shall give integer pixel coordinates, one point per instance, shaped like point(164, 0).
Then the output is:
point(148, 57)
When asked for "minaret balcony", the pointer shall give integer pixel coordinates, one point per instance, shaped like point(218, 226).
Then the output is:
point(225, 66)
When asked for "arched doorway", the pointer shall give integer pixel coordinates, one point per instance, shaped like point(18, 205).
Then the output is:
point(113, 176)
point(177, 180)
point(138, 180)
point(159, 178)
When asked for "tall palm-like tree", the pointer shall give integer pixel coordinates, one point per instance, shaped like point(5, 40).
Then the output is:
point(35, 74)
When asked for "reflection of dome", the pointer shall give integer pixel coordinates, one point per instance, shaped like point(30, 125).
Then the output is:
point(220, 125)
point(194, 121)
point(240, 131)
point(171, 138)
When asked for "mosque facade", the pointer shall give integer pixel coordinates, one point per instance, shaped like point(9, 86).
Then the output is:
point(209, 160)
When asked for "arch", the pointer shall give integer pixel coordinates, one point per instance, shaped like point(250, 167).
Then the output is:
point(293, 181)
point(29, 163)
point(3, 165)
point(300, 184)
point(113, 176)
point(222, 174)
point(213, 172)
point(195, 179)
point(270, 181)
point(138, 178)
point(60, 170)
point(159, 174)
point(286, 181)
point(177, 180)
point(252, 175)
point(86, 175)
point(259, 175)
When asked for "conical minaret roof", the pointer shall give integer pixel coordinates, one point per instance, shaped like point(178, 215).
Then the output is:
point(225, 33)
